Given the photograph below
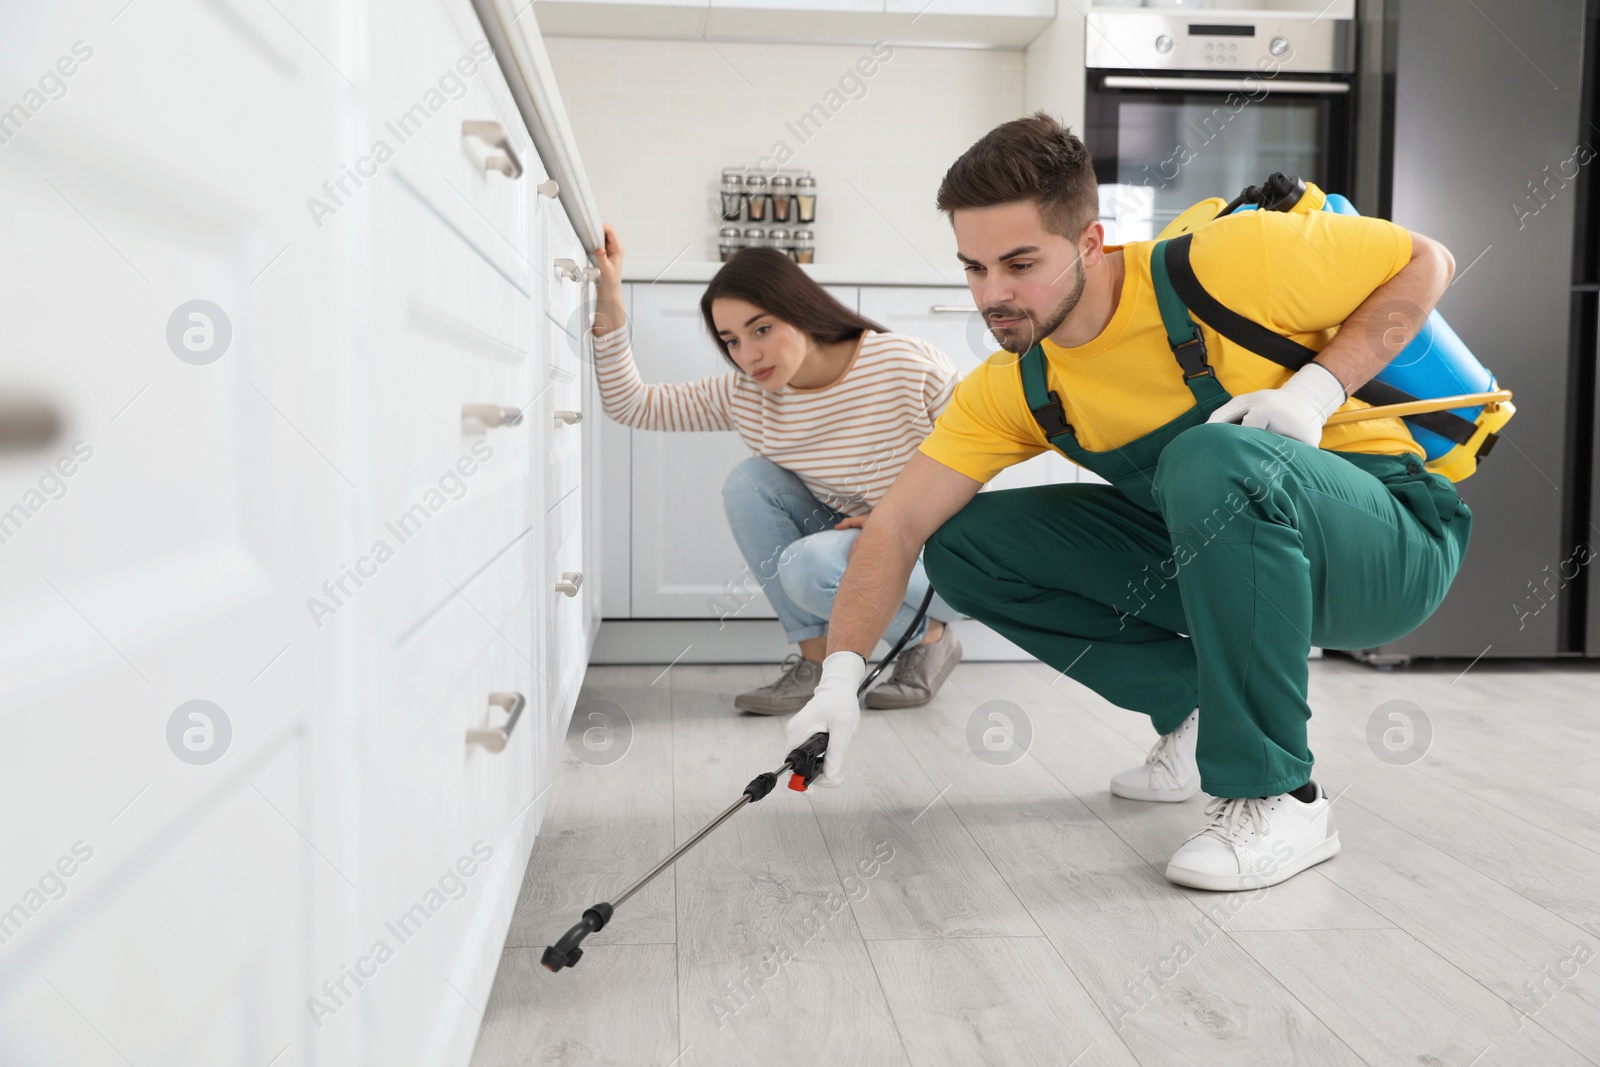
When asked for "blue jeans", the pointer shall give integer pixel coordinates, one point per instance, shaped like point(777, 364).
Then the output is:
point(788, 541)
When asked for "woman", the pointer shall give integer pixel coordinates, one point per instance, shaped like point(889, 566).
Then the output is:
point(832, 405)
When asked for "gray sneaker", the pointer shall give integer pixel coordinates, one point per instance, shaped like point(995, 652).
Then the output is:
point(788, 694)
point(919, 672)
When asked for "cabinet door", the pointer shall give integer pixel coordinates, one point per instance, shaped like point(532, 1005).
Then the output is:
point(568, 589)
point(616, 488)
point(168, 866)
point(947, 318)
point(685, 561)
point(451, 326)
point(686, 564)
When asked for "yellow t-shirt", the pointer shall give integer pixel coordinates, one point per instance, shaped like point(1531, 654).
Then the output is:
point(1300, 275)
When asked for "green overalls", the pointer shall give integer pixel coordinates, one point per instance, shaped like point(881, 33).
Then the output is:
point(1203, 574)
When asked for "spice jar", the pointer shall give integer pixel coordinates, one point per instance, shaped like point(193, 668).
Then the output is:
point(805, 196)
point(732, 197)
point(756, 198)
point(805, 246)
point(782, 197)
point(729, 242)
point(755, 237)
point(778, 237)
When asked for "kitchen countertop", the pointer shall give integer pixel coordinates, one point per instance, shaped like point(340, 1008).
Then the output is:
point(686, 270)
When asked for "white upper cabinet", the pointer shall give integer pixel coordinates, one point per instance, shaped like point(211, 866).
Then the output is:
point(964, 23)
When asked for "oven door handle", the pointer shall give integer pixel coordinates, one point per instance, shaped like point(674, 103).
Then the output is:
point(1226, 85)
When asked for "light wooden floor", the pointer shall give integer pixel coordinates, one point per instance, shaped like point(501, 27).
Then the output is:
point(1022, 917)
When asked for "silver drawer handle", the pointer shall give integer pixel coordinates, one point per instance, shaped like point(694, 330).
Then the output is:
point(570, 580)
point(549, 188)
point(492, 415)
point(569, 269)
point(28, 424)
point(494, 135)
point(494, 739)
point(569, 417)
point(954, 309)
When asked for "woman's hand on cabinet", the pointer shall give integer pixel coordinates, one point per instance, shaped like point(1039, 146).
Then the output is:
point(608, 313)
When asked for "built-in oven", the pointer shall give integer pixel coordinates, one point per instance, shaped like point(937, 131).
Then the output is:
point(1186, 104)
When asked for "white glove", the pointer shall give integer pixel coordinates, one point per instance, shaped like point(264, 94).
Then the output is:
point(1296, 409)
point(833, 708)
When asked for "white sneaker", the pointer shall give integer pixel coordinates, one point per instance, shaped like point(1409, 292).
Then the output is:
point(1169, 773)
point(1251, 843)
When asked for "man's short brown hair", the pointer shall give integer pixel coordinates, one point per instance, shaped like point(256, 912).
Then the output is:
point(1034, 158)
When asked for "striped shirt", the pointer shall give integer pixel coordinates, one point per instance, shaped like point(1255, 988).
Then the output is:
point(846, 441)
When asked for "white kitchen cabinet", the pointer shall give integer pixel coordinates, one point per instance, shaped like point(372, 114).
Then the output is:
point(169, 909)
point(1021, 9)
point(454, 313)
point(685, 563)
point(568, 585)
point(217, 537)
point(996, 23)
point(615, 483)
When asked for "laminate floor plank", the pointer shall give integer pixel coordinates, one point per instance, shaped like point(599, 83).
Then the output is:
point(1396, 1001)
point(1421, 798)
point(937, 881)
point(616, 1008)
point(944, 734)
point(1171, 982)
point(1492, 934)
point(1508, 734)
point(716, 748)
point(999, 1001)
point(769, 957)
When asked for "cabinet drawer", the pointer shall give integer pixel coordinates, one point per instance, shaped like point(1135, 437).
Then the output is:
point(499, 784)
point(566, 642)
point(565, 422)
point(439, 103)
point(448, 331)
point(444, 287)
point(452, 587)
point(568, 301)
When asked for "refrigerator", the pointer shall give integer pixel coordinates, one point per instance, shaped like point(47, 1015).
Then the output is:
point(1477, 125)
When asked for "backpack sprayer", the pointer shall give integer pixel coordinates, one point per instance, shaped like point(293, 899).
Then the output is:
point(803, 764)
point(1450, 403)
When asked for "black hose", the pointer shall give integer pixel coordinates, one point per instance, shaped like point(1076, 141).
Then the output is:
point(922, 610)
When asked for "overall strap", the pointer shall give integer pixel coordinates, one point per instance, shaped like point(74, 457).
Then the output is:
point(1175, 268)
point(1042, 400)
point(1188, 346)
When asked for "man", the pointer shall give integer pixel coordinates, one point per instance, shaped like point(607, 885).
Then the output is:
point(1237, 531)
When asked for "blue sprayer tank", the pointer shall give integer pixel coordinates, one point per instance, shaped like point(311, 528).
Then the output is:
point(1435, 363)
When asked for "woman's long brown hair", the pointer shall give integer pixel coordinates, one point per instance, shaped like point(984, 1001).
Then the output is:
point(773, 282)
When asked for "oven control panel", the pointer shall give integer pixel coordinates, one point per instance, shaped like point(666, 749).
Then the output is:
point(1234, 43)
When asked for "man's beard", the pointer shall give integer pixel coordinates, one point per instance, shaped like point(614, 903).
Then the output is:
point(1020, 338)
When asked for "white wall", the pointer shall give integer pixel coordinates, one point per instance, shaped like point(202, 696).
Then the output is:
point(1055, 71)
point(657, 121)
